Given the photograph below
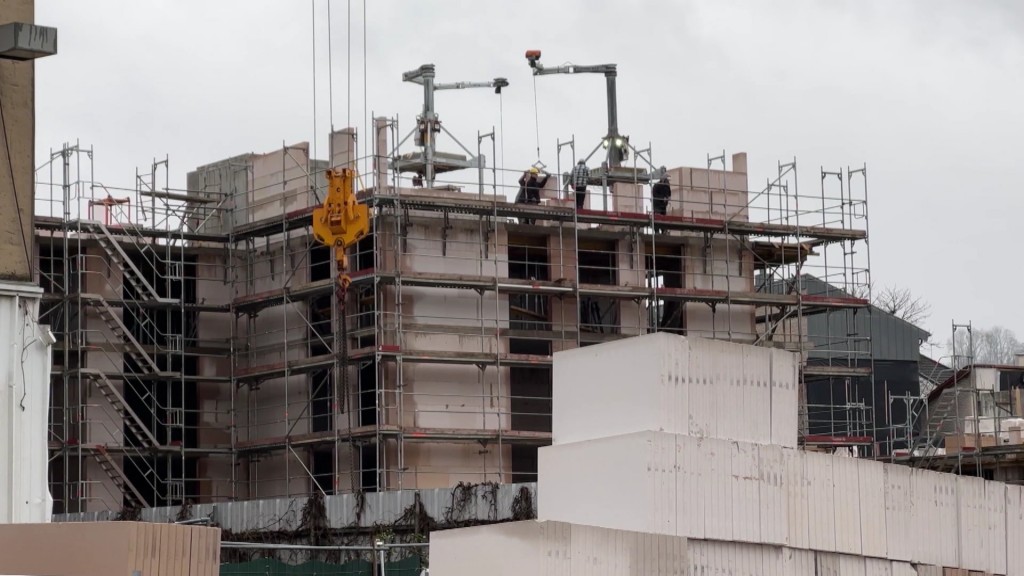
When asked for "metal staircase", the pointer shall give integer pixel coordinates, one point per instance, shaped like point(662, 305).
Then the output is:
point(117, 475)
point(117, 255)
point(146, 442)
point(131, 420)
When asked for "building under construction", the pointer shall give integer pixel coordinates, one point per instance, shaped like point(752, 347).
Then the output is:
point(203, 354)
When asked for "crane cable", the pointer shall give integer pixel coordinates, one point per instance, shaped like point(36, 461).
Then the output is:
point(536, 115)
point(501, 138)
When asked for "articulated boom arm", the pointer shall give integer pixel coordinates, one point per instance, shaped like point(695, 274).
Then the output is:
point(612, 140)
point(341, 221)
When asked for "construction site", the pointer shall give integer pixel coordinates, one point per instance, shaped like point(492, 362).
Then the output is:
point(395, 356)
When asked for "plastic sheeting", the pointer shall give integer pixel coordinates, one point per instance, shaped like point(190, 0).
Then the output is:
point(24, 403)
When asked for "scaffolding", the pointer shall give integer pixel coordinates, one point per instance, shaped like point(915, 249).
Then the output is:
point(200, 357)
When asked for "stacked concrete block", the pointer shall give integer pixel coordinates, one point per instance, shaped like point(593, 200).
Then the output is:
point(664, 465)
point(707, 193)
point(675, 424)
point(661, 382)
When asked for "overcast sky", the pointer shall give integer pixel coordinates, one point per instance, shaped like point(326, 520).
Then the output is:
point(927, 93)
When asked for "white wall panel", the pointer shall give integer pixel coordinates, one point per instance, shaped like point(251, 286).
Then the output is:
point(898, 510)
point(784, 381)
point(924, 517)
point(1014, 529)
point(851, 565)
point(995, 514)
point(702, 392)
point(734, 559)
point(797, 487)
point(973, 524)
point(871, 481)
point(846, 502)
point(746, 502)
point(590, 399)
point(903, 569)
point(827, 564)
point(626, 482)
point(820, 505)
point(555, 549)
point(947, 537)
point(772, 495)
point(718, 490)
point(877, 567)
point(757, 396)
point(690, 486)
point(796, 562)
point(926, 570)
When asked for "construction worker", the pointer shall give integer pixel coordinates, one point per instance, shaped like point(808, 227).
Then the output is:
point(660, 193)
point(530, 184)
point(580, 179)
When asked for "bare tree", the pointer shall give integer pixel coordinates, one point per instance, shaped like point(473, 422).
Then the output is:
point(996, 345)
point(900, 302)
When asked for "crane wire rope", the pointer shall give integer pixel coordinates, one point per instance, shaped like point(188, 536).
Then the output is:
point(348, 68)
point(536, 115)
point(312, 4)
point(330, 68)
point(501, 137)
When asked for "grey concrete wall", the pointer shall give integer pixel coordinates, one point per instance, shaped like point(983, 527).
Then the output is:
point(17, 95)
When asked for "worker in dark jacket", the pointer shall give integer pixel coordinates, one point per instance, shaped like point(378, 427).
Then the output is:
point(580, 179)
point(660, 193)
point(530, 184)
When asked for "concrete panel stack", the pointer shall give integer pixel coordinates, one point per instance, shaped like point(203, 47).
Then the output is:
point(104, 548)
point(642, 443)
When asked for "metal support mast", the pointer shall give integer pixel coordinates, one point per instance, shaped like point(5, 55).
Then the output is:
point(428, 125)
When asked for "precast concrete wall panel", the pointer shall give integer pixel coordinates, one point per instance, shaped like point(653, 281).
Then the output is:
point(924, 517)
point(690, 486)
point(701, 390)
point(851, 565)
point(821, 511)
point(615, 388)
point(627, 482)
point(903, 569)
point(734, 559)
point(718, 490)
point(755, 423)
point(846, 503)
point(555, 549)
point(774, 512)
point(784, 397)
point(797, 562)
point(797, 487)
point(926, 570)
point(995, 514)
point(898, 508)
point(873, 529)
point(1014, 529)
point(827, 564)
point(746, 502)
point(947, 540)
point(973, 525)
point(877, 567)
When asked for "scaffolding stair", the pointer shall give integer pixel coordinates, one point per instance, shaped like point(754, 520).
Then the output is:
point(117, 401)
point(117, 327)
point(132, 275)
point(932, 439)
point(117, 475)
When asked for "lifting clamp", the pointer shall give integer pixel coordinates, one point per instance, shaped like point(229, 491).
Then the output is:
point(341, 221)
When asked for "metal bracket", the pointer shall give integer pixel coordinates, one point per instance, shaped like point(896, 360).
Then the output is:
point(403, 229)
point(488, 228)
point(444, 234)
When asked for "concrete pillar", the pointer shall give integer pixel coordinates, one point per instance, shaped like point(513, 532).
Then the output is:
point(17, 95)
